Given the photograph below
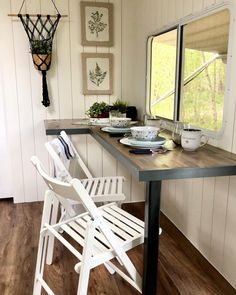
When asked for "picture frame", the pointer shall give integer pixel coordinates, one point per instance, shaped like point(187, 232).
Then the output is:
point(96, 24)
point(97, 73)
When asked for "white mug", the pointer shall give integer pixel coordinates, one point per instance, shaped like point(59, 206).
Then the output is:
point(192, 139)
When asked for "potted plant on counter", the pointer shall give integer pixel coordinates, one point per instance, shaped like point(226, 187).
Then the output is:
point(120, 106)
point(99, 110)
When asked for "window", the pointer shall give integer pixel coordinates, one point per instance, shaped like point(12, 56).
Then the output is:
point(163, 64)
point(187, 72)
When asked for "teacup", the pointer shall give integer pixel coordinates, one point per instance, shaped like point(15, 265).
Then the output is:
point(192, 139)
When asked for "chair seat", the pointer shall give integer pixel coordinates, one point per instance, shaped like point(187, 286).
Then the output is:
point(128, 230)
point(104, 189)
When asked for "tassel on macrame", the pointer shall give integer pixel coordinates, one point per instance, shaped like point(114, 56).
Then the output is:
point(45, 101)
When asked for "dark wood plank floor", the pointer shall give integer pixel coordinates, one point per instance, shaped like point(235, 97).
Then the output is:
point(182, 270)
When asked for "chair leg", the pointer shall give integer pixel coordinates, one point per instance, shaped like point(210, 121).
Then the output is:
point(51, 239)
point(85, 265)
point(40, 264)
point(42, 243)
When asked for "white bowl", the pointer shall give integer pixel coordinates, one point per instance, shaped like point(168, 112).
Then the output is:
point(120, 122)
point(144, 132)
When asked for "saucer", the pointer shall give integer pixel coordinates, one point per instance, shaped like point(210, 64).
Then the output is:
point(111, 129)
point(130, 141)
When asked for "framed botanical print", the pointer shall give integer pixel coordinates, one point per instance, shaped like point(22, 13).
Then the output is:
point(96, 24)
point(97, 73)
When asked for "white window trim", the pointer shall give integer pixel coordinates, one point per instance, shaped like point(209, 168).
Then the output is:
point(229, 71)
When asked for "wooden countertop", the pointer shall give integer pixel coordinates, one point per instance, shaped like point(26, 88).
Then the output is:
point(177, 164)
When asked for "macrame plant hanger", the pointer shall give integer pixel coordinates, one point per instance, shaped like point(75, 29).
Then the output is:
point(40, 30)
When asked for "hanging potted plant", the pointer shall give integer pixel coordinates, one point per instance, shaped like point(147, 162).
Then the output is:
point(41, 51)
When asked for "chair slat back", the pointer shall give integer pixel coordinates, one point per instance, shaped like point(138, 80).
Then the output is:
point(79, 159)
point(73, 190)
point(63, 170)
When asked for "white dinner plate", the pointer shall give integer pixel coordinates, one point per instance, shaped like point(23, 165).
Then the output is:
point(99, 121)
point(143, 144)
point(158, 140)
point(110, 129)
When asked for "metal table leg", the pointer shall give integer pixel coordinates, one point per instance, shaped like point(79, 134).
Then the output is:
point(151, 240)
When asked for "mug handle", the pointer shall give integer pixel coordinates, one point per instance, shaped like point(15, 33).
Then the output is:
point(205, 142)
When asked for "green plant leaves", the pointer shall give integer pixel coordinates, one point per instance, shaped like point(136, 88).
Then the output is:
point(96, 25)
point(97, 76)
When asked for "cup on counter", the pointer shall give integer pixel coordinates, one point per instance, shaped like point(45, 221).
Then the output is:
point(192, 139)
point(116, 114)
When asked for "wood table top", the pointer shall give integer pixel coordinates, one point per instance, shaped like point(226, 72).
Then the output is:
point(176, 164)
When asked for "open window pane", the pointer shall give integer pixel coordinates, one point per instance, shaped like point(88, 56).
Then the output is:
point(162, 76)
point(204, 73)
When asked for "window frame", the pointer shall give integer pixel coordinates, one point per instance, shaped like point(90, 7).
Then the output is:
point(180, 66)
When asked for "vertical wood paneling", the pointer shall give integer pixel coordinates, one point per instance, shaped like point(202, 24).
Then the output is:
point(164, 193)
point(179, 203)
point(179, 9)
point(159, 17)
point(164, 9)
point(138, 190)
point(94, 151)
point(206, 216)
point(127, 50)
point(187, 191)
point(171, 11)
point(122, 171)
point(208, 3)
point(194, 211)
point(229, 258)
point(188, 7)
point(63, 63)
point(109, 165)
point(5, 179)
point(116, 50)
point(11, 101)
point(170, 203)
point(80, 142)
point(219, 221)
point(22, 60)
point(197, 5)
point(78, 103)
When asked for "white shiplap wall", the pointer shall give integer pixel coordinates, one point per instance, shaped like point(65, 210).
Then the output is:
point(22, 128)
point(203, 209)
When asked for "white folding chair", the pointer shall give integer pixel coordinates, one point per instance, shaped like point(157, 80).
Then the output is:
point(101, 189)
point(104, 233)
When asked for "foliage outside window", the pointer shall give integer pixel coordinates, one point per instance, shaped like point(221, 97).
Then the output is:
point(191, 87)
point(163, 67)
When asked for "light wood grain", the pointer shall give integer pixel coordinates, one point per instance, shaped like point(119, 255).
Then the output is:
point(182, 270)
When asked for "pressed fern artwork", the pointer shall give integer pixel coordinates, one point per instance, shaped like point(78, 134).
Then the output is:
point(97, 73)
point(95, 24)
point(97, 76)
